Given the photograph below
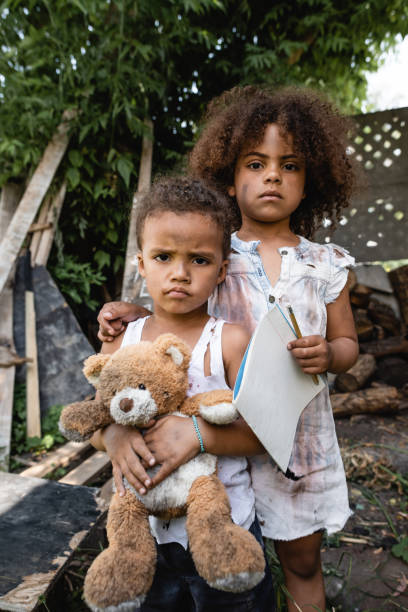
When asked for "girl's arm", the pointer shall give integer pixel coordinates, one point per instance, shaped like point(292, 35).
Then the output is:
point(173, 440)
point(339, 350)
point(113, 316)
point(124, 445)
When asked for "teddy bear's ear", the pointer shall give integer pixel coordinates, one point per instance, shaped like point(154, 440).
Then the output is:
point(179, 351)
point(93, 367)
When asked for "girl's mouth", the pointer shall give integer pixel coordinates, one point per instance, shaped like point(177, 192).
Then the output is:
point(271, 195)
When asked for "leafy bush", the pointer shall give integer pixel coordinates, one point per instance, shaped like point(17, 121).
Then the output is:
point(49, 426)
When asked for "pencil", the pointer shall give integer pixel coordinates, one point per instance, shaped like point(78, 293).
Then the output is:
point(299, 335)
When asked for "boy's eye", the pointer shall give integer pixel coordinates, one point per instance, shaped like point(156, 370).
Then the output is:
point(290, 166)
point(201, 261)
point(162, 257)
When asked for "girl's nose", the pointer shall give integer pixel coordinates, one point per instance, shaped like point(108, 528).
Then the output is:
point(272, 174)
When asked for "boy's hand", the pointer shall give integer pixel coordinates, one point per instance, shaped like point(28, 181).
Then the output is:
point(114, 316)
point(126, 449)
point(313, 354)
point(173, 441)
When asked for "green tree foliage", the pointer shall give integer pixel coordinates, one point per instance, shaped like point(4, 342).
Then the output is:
point(118, 62)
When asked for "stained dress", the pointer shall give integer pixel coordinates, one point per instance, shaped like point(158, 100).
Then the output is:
point(312, 276)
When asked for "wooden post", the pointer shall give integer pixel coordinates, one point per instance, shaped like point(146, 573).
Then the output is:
point(32, 198)
point(10, 196)
point(33, 388)
point(132, 282)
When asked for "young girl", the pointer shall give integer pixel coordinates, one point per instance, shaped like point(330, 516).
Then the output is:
point(280, 158)
point(183, 232)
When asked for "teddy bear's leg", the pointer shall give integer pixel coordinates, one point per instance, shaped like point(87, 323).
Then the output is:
point(227, 556)
point(120, 577)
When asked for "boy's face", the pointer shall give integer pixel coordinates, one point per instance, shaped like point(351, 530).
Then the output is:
point(269, 179)
point(182, 260)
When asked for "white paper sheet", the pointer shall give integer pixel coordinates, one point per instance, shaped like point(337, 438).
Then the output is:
point(271, 390)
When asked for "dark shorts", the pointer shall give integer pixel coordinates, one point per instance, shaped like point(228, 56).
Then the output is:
point(178, 588)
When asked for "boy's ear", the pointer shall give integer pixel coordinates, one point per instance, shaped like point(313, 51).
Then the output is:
point(222, 272)
point(231, 191)
point(140, 264)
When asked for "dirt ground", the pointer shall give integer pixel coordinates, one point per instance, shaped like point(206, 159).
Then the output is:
point(362, 571)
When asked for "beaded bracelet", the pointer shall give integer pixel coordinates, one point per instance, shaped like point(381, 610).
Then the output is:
point(198, 432)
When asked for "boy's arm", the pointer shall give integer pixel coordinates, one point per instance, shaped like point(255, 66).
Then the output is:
point(173, 440)
point(113, 316)
point(124, 445)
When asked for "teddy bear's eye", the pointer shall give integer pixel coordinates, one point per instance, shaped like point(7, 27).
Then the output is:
point(141, 386)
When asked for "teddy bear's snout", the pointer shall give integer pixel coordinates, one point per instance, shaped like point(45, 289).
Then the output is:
point(126, 404)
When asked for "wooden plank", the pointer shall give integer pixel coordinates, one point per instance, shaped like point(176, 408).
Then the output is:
point(41, 523)
point(47, 236)
point(32, 383)
point(32, 198)
point(10, 196)
point(133, 283)
point(61, 457)
point(87, 470)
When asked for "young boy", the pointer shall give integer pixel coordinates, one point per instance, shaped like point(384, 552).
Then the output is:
point(183, 234)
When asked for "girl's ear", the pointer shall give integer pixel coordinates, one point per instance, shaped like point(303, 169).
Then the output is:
point(222, 272)
point(140, 264)
point(231, 191)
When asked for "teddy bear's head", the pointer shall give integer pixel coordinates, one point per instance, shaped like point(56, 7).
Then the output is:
point(141, 381)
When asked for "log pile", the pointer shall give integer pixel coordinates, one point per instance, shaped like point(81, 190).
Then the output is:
point(378, 382)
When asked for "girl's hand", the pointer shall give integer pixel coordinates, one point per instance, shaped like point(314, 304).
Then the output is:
point(114, 316)
point(173, 441)
point(126, 448)
point(313, 354)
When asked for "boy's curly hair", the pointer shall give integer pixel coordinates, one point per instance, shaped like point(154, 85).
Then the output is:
point(238, 118)
point(180, 194)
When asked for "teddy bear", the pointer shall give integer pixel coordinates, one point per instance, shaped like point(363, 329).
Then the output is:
point(135, 384)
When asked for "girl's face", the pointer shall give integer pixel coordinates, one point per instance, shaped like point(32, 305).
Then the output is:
point(269, 180)
point(182, 260)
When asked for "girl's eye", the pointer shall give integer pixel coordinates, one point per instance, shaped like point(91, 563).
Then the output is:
point(255, 165)
point(290, 166)
point(162, 257)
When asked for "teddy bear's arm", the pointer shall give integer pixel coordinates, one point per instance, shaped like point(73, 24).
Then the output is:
point(214, 406)
point(80, 420)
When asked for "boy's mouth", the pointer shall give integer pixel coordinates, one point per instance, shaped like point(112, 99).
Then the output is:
point(177, 292)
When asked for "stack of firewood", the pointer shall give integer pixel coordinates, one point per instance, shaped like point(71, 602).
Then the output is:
point(378, 382)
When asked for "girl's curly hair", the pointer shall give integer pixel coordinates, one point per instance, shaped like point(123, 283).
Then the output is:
point(238, 118)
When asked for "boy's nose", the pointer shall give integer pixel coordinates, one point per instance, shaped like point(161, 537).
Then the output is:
point(180, 272)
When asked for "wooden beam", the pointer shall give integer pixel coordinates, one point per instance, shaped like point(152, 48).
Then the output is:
point(61, 457)
point(132, 281)
point(10, 196)
point(46, 238)
point(32, 198)
point(87, 470)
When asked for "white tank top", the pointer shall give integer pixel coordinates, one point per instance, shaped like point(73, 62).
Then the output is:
point(232, 471)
